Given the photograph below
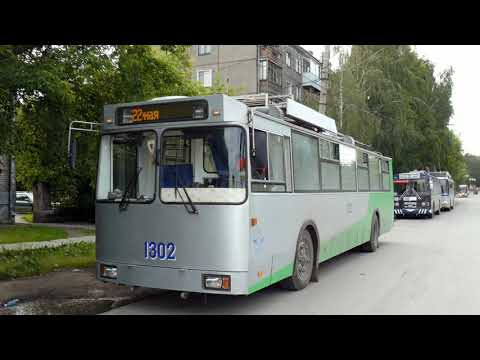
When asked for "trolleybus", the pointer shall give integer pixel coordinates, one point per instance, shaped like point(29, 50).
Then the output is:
point(448, 189)
point(227, 195)
point(418, 194)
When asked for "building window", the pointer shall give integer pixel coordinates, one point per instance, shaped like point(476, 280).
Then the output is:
point(205, 77)
point(298, 93)
point(315, 69)
point(289, 89)
point(288, 59)
point(298, 66)
point(204, 50)
point(306, 65)
point(275, 74)
point(262, 70)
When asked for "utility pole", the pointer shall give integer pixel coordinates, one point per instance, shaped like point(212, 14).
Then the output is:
point(339, 51)
point(324, 75)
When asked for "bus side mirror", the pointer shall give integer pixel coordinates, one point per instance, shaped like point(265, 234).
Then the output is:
point(72, 156)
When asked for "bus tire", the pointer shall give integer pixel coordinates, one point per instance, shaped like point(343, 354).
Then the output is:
point(372, 245)
point(303, 265)
point(438, 209)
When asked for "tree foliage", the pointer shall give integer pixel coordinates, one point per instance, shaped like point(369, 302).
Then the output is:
point(392, 100)
point(48, 86)
point(473, 166)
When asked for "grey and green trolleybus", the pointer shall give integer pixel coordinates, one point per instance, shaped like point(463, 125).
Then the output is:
point(227, 195)
point(447, 185)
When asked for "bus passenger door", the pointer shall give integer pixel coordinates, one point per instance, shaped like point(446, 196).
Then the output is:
point(281, 253)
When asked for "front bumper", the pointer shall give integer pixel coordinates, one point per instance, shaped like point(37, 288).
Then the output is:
point(412, 212)
point(157, 277)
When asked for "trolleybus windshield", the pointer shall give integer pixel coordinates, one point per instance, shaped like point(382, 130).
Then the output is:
point(127, 159)
point(420, 186)
point(209, 162)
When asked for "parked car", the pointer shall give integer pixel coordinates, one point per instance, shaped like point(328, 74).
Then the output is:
point(24, 202)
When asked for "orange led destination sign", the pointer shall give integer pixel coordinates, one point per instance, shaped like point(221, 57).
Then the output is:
point(139, 115)
point(172, 111)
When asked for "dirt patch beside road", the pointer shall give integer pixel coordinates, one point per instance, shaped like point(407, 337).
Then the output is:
point(66, 292)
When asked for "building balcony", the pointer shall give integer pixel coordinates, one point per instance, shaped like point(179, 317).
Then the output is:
point(311, 80)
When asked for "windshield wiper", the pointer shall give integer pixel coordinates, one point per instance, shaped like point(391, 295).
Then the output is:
point(124, 203)
point(193, 209)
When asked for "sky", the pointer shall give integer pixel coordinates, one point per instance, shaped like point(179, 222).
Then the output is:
point(465, 61)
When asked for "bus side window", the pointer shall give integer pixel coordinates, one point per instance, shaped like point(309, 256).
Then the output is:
point(362, 169)
point(374, 165)
point(259, 163)
point(306, 168)
point(385, 176)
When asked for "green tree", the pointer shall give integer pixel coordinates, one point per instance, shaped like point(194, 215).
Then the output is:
point(50, 86)
point(473, 167)
point(392, 100)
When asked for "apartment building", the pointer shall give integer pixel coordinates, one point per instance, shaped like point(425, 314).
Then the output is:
point(272, 69)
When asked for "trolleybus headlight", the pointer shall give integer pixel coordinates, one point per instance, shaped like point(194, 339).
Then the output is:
point(397, 204)
point(216, 282)
point(423, 203)
point(108, 271)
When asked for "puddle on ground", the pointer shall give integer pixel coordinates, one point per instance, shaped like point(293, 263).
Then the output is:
point(64, 307)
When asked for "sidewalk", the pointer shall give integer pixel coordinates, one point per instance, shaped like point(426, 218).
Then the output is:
point(49, 244)
point(67, 291)
point(19, 220)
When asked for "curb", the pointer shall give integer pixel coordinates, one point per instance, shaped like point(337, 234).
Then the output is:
point(46, 244)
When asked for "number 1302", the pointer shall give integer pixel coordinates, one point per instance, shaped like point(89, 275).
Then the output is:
point(159, 251)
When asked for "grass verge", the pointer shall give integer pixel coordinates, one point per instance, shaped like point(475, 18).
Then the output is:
point(30, 233)
point(16, 264)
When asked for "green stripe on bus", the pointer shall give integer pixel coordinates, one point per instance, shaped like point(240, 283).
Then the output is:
point(355, 235)
point(281, 274)
point(359, 232)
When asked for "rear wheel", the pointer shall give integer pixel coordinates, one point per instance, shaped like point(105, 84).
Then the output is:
point(303, 265)
point(372, 245)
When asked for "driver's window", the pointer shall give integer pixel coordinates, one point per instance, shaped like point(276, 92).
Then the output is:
point(260, 161)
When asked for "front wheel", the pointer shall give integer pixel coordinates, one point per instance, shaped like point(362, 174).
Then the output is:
point(303, 265)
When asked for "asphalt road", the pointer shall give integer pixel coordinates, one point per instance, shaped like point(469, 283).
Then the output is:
point(421, 267)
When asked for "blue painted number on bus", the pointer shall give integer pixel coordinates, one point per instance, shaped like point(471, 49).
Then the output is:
point(159, 251)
